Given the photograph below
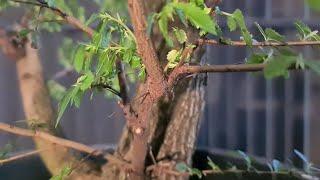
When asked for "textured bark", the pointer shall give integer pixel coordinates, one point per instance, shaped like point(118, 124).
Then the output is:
point(181, 113)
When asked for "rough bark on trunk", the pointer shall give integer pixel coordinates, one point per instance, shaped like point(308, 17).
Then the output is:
point(183, 113)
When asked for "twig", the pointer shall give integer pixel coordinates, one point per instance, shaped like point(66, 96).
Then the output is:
point(62, 142)
point(259, 44)
point(49, 138)
point(108, 87)
point(21, 156)
point(185, 70)
point(69, 19)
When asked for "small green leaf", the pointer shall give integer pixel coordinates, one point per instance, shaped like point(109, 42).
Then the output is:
point(181, 167)
point(213, 166)
point(163, 21)
point(92, 19)
point(261, 31)
point(195, 171)
point(85, 81)
point(173, 55)
point(66, 100)
point(142, 73)
point(257, 59)
point(150, 22)
point(239, 18)
point(198, 17)
point(65, 172)
point(78, 61)
point(180, 35)
point(278, 66)
point(273, 35)
point(313, 65)
point(232, 24)
point(24, 32)
point(56, 90)
point(182, 17)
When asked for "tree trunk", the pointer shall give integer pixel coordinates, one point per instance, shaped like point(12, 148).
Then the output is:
point(40, 115)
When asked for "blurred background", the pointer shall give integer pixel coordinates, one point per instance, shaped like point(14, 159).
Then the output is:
point(243, 111)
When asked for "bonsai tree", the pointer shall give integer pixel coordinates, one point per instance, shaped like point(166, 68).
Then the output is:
point(158, 46)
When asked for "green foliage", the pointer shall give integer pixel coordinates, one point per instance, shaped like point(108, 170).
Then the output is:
point(278, 66)
point(182, 167)
point(95, 61)
point(194, 12)
point(257, 58)
point(180, 35)
point(305, 33)
point(64, 173)
point(236, 20)
point(213, 166)
point(198, 17)
point(56, 90)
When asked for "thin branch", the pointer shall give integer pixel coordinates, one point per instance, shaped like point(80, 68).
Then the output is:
point(146, 49)
point(21, 156)
point(257, 44)
point(107, 87)
point(63, 142)
point(69, 19)
point(49, 138)
point(186, 70)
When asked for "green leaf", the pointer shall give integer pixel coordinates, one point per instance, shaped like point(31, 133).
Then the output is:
point(182, 17)
point(85, 81)
point(92, 19)
point(173, 55)
point(313, 65)
point(195, 171)
point(180, 35)
point(181, 167)
point(78, 61)
point(163, 20)
point(273, 35)
point(142, 73)
point(213, 166)
point(64, 173)
point(198, 17)
point(261, 31)
point(66, 100)
point(150, 22)
point(257, 59)
point(56, 90)
point(232, 24)
point(24, 32)
point(278, 66)
point(239, 18)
